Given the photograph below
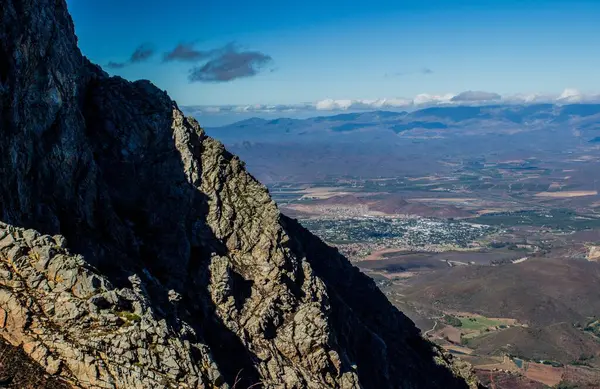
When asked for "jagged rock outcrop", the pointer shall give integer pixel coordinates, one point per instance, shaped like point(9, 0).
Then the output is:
point(73, 322)
point(180, 271)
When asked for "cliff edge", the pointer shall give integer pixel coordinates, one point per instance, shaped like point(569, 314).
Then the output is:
point(179, 272)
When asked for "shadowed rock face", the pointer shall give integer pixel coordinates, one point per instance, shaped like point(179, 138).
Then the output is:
point(17, 370)
point(180, 272)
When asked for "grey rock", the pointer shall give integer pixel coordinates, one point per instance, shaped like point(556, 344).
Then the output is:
point(30, 236)
point(179, 251)
point(7, 242)
point(60, 241)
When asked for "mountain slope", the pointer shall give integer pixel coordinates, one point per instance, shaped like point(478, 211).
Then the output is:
point(186, 274)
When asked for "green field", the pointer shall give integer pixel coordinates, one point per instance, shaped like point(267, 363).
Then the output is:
point(478, 323)
point(559, 219)
point(593, 328)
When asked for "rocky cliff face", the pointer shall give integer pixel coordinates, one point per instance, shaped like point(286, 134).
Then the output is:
point(180, 271)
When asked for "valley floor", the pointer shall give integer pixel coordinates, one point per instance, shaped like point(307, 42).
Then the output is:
point(504, 280)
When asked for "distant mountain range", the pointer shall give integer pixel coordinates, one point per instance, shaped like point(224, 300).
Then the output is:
point(434, 121)
point(385, 143)
point(423, 100)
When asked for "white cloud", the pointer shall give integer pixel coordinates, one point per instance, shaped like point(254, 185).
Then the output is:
point(392, 103)
point(359, 105)
point(425, 98)
point(527, 98)
point(333, 105)
point(241, 108)
point(568, 96)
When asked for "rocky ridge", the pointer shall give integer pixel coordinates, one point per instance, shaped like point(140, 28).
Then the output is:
point(180, 272)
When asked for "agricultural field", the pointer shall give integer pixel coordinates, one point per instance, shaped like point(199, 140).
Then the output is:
point(494, 257)
point(554, 219)
point(479, 323)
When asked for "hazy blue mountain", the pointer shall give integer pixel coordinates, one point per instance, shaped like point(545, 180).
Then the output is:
point(438, 121)
point(382, 143)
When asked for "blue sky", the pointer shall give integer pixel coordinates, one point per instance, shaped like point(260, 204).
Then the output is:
point(312, 50)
